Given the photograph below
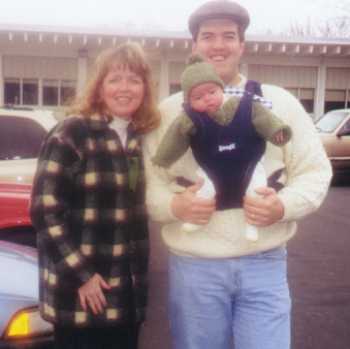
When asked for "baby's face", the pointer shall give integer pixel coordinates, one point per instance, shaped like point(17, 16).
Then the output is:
point(206, 97)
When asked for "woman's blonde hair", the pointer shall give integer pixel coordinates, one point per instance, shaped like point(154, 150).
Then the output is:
point(129, 56)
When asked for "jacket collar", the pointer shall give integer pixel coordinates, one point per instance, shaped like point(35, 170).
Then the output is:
point(98, 122)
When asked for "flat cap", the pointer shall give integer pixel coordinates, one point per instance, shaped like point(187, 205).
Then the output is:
point(218, 9)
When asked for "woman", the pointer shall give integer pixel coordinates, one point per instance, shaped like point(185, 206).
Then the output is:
point(88, 208)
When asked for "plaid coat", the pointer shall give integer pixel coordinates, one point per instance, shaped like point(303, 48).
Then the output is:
point(87, 207)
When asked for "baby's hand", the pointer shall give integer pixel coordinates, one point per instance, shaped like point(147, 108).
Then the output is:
point(279, 137)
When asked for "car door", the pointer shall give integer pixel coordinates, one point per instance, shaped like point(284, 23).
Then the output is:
point(341, 145)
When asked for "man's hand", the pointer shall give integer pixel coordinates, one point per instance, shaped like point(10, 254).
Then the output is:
point(91, 294)
point(264, 209)
point(192, 209)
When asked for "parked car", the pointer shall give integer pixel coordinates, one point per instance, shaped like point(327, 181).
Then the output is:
point(15, 224)
point(21, 134)
point(22, 131)
point(20, 323)
point(334, 129)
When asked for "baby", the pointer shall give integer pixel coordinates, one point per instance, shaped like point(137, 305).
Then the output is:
point(227, 138)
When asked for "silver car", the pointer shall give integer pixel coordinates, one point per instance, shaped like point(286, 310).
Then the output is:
point(334, 129)
point(20, 323)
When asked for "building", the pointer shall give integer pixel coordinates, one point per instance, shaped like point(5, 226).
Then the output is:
point(43, 66)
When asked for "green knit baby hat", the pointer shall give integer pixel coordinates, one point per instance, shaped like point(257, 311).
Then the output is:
point(197, 72)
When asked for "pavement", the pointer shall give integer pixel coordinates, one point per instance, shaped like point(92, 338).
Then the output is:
point(318, 273)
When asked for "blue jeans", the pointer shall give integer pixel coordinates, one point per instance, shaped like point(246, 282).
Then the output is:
point(217, 302)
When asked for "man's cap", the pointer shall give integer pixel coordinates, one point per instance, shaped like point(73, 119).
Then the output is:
point(198, 72)
point(217, 9)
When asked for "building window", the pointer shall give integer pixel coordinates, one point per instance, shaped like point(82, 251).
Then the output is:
point(21, 91)
point(337, 99)
point(306, 97)
point(174, 87)
point(67, 92)
point(27, 92)
point(12, 91)
point(30, 92)
point(50, 92)
point(58, 92)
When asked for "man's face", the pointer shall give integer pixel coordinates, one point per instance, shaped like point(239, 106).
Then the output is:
point(219, 43)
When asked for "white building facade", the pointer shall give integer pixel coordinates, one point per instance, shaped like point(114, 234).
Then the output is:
point(43, 67)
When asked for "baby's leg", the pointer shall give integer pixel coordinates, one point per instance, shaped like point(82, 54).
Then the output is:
point(258, 180)
point(207, 191)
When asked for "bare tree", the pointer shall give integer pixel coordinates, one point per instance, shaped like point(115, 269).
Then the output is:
point(337, 26)
point(301, 30)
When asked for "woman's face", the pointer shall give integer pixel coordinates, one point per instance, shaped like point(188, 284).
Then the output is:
point(122, 92)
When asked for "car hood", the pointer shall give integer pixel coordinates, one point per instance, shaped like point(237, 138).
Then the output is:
point(17, 171)
point(326, 137)
point(19, 271)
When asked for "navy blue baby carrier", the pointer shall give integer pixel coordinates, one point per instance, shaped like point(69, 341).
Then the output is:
point(228, 154)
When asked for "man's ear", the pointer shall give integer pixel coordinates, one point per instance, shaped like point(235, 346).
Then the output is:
point(242, 47)
point(194, 47)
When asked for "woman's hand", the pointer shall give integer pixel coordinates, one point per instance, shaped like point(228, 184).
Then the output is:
point(91, 294)
point(188, 207)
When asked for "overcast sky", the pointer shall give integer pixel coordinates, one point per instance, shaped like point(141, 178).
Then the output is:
point(274, 15)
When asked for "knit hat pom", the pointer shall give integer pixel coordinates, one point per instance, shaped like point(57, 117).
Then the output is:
point(197, 72)
point(194, 58)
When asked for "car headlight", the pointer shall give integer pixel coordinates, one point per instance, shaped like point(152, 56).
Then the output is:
point(27, 323)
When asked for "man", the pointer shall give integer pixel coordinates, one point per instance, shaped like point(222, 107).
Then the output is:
point(222, 287)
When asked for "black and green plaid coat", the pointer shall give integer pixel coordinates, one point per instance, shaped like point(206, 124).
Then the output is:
point(87, 207)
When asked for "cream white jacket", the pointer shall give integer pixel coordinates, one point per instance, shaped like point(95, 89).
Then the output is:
point(306, 175)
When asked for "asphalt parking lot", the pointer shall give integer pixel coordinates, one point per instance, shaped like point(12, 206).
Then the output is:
point(319, 275)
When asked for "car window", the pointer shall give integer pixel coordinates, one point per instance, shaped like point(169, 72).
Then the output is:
point(330, 121)
point(346, 127)
point(20, 138)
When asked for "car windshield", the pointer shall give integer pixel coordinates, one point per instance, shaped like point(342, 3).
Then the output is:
point(330, 121)
point(20, 138)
